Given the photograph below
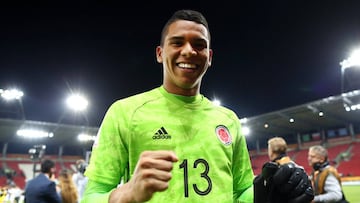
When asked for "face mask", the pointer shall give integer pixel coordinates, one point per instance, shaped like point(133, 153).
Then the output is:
point(319, 166)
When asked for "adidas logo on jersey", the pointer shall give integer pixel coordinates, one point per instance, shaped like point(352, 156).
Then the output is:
point(161, 134)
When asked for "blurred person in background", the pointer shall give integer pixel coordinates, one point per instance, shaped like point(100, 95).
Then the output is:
point(66, 187)
point(80, 180)
point(3, 194)
point(281, 179)
point(14, 194)
point(324, 177)
point(42, 188)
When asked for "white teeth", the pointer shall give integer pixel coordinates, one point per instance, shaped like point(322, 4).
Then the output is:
point(186, 65)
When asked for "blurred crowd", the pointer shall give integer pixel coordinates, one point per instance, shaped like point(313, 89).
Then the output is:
point(66, 185)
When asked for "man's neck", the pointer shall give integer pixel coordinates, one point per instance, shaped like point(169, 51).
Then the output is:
point(181, 91)
point(47, 175)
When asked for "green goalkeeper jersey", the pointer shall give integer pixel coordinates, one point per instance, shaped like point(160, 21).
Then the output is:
point(214, 164)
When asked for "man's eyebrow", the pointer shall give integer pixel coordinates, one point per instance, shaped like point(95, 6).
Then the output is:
point(176, 38)
point(181, 38)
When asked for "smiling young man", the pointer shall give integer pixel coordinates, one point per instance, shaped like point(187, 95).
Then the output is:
point(172, 144)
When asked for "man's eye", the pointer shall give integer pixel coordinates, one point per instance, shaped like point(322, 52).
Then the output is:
point(199, 46)
point(176, 43)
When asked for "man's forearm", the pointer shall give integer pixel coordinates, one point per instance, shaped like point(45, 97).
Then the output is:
point(96, 193)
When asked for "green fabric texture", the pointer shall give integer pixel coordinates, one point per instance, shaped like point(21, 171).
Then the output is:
point(213, 166)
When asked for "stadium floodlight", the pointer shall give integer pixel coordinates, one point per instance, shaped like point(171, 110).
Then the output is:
point(352, 107)
point(14, 94)
point(216, 102)
point(86, 137)
point(352, 61)
point(243, 120)
point(31, 133)
point(11, 94)
point(77, 102)
point(245, 130)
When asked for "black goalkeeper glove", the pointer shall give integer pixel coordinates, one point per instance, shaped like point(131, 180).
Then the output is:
point(262, 183)
point(293, 182)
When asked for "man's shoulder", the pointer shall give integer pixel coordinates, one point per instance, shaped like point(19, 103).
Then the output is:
point(136, 100)
point(141, 97)
point(36, 178)
point(227, 111)
point(39, 180)
point(330, 170)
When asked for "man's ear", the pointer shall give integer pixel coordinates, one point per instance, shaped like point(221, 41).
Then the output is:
point(210, 56)
point(159, 54)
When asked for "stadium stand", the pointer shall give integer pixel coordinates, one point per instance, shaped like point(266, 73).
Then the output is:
point(258, 161)
point(350, 166)
point(343, 152)
point(24, 167)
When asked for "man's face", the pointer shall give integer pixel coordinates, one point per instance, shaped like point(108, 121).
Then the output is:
point(185, 56)
point(314, 158)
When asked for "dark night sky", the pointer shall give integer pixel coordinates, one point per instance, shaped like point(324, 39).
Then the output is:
point(268, 55)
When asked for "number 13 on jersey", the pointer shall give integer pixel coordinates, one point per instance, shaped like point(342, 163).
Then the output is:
point(186, 166)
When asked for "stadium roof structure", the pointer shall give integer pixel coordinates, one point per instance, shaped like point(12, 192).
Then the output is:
point(60, 134)
point(326, 113)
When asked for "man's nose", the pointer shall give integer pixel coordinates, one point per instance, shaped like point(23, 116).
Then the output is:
point(188, 50)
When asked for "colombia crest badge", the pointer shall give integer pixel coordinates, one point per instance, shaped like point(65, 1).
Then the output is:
point(223, 134)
